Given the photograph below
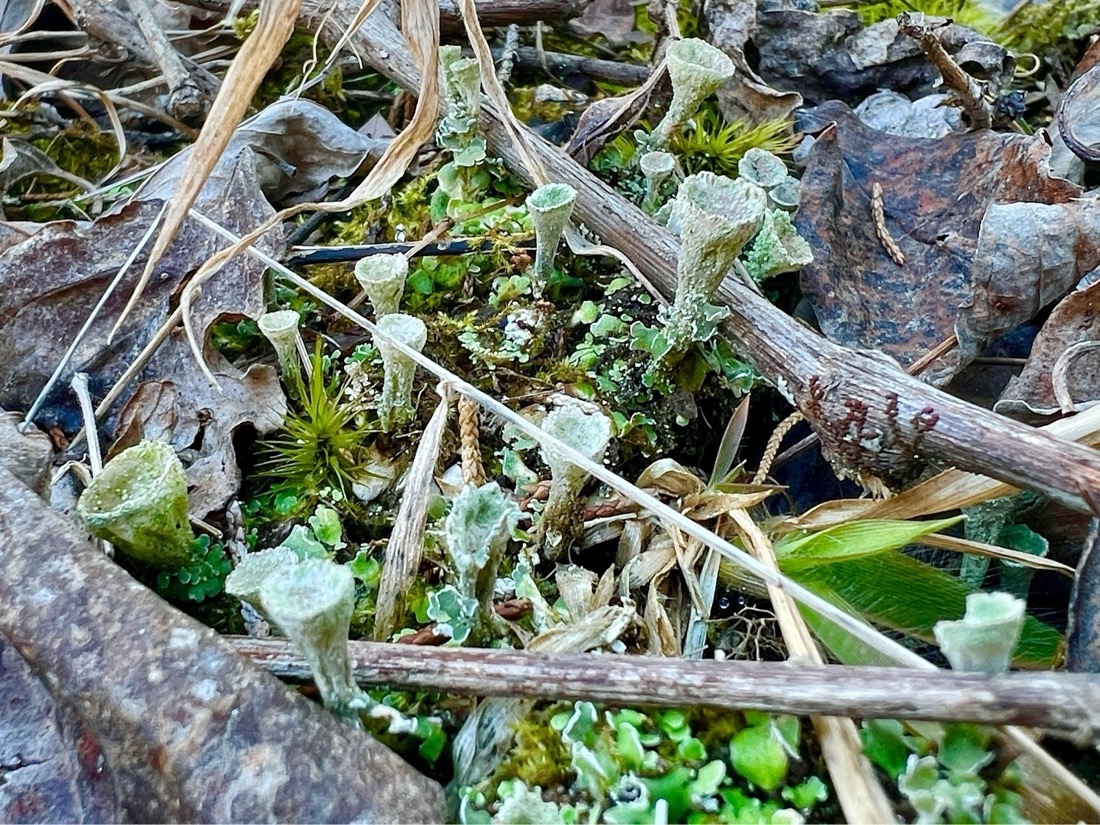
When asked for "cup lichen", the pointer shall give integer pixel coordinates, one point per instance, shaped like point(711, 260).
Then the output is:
point(656, 167)
point(550, 207)
point(588, 431)
point(139, 504)
point(983, 640)
point(281, 329)
point(382, 277)
point(715, 217)
point(395, 404)
point(312, 602)
point(697, 70)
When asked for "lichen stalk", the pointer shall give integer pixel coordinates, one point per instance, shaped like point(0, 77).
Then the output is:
point(715, 217)
point(697, 70)
point(657, 167)
point(395, 404)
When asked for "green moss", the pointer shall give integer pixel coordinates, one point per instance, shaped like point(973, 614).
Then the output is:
point(715, 146)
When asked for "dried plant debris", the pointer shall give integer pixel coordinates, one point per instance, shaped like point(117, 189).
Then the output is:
point(1059, 364)
point(53, 280)
point(935, 193)
point(183, 408)
point(1078, 116)
point(1028, 255)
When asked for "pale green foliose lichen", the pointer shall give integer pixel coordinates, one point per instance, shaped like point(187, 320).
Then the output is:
point(778, 248)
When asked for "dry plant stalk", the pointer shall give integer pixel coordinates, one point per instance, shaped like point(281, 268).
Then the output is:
point(858, 790)
point(406, 545)
point(772, 448)
point(968, 89)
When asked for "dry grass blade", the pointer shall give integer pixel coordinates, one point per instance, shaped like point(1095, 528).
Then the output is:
point(406, 544)
point(495, 91)
point(256, 56)
point(978, 548)
point(858, 791)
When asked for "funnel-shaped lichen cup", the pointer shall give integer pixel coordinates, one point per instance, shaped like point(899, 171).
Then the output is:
point(550, 207)
point(383, 279)
point(697, 70)
point(312, 603)
point(139, 504)
point(395, 406)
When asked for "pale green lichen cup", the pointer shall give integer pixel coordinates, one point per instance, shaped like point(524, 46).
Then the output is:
point(382, 277)
point(697, 70)
point(281, 330)
point(550, 207)
point(139, 504)
point(395, 405)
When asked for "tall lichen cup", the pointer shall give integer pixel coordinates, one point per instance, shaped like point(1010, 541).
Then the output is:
point(395, 406)
point(588, 432)
point(383, 279)
point(139, 504)
point(697, 70)
point(281, 330)
point(715, 217)
point(550, 207)
point(312, 602)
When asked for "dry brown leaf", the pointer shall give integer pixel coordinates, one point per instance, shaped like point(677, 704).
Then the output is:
point(935, 193)
point(258, 53)
point(1028, 255)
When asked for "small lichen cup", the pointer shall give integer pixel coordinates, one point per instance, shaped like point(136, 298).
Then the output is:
point(382, 277)
point(588, 432)
point(550, 207)
point(395, 405)
point(281, 330)
point(657, 167)
point(139, 504)
point(697, 70)
point(312, 602)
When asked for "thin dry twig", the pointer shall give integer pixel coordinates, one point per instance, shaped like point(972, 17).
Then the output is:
point(970, 92)
point(878, 215)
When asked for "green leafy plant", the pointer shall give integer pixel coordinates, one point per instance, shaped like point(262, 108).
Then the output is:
point(626, 766)
point(203, 578)
point(949, 776)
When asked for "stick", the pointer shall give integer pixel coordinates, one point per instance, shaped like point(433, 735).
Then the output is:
point(1065, 702)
